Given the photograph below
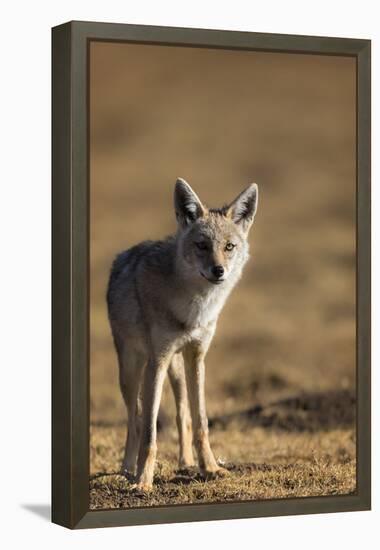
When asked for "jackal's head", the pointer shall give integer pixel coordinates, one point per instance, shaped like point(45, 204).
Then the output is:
point(213, 241)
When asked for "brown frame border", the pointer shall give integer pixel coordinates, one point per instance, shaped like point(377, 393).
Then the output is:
point(70, 199)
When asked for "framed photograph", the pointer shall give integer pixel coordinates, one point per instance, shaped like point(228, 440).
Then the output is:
point(211, 274)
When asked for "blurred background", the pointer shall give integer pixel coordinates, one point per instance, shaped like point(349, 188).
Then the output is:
point(222, 119)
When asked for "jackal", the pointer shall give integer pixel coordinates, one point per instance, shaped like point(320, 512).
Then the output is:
point(164, 299)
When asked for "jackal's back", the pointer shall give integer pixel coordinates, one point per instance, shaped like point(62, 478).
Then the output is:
point(130, 268)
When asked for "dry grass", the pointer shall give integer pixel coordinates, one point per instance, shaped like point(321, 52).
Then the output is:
point(281, 370)
point(261, 465)
point(303, 446)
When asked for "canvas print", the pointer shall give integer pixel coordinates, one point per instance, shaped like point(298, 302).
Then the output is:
point(222, 275)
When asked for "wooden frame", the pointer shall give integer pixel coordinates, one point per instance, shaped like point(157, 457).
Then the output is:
point(70, 379)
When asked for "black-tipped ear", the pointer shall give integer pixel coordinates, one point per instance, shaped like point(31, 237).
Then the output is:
point(188, 207)
point(243, 209)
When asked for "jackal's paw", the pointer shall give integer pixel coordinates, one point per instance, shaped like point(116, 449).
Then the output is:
point(186, 465)
point(215, 474)
point(188, 471)
point(142, 488)
point(129, 476)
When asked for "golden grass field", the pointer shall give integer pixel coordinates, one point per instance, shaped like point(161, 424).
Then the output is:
point(280, 374)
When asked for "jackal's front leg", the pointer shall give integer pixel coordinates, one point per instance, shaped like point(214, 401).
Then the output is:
point(152, 389)
point(195, 377)
point(178, 383)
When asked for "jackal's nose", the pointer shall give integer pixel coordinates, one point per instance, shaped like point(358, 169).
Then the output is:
point(218, 271)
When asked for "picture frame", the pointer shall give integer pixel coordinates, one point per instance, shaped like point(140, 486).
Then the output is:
point(70, 267)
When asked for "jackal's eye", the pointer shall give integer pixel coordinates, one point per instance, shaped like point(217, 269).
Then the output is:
point(230, 246)
point(201, 245)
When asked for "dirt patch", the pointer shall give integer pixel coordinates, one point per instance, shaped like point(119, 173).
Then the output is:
point(307, 412)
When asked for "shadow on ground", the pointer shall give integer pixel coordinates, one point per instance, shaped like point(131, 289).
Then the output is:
point(41, 510)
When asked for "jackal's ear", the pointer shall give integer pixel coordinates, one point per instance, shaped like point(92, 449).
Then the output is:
point(188, 207)
point(243, 209)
